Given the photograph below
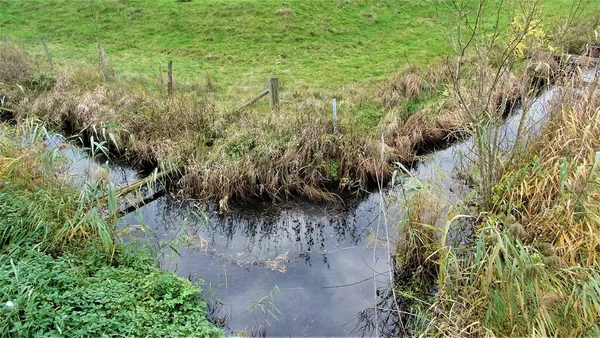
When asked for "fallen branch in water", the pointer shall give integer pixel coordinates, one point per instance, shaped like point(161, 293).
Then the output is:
point(135, 186)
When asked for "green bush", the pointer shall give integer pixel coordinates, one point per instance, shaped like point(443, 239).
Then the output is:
point(45, 296)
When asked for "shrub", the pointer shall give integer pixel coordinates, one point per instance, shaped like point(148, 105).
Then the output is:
point(61, 272)
point(46, 296)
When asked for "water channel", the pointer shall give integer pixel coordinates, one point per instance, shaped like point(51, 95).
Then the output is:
point(298, 268)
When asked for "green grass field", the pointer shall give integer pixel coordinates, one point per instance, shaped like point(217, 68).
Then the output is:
point(308, 44)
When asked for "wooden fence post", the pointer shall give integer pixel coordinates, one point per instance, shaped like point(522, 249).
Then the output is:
point(254, 99)
point(103, 64)
point(170, 75)
point(48, 53)
point(273, 92)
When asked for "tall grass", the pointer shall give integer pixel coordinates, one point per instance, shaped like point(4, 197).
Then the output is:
point(257, 153)
point(531, 267)
point(63, 270)
point(554, 186)
point(38, 205)
point(504, 287)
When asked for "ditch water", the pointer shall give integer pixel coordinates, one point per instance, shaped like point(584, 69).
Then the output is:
point(299, 268)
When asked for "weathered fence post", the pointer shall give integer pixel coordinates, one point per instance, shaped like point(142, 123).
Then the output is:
point(48, 53)
point(170, 75)
point(334, 115)
point(273, 92)
point(103, 64)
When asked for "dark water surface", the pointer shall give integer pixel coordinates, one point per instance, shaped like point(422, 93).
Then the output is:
point(316, 256)
point(300, 268)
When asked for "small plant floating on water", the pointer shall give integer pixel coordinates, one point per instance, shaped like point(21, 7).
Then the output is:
point(268, 309)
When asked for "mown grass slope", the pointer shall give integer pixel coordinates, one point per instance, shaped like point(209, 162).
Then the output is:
point(312, 44)
point(239, 44)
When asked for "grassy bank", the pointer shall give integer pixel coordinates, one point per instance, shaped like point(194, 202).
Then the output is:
point(64, 271)
point(258, 152)
point(532, 268)
point(519, 255)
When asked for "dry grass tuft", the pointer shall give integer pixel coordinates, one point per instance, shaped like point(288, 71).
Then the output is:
point(147, 128)
point(409, 84)
point(509, 95)
point(424, 131)
point(535, 271)
point(14, 65)
point(556, 194)
point(542, 69)
point(256, 153)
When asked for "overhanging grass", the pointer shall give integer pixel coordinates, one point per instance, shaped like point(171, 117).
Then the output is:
point(531, 266)
point(256, 152)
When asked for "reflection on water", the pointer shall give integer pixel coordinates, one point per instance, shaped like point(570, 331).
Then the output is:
point(327, 262)
point(83, 169)
point(316, 255)
point(382, 320)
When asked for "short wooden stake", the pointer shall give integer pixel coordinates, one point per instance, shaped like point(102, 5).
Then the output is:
point(334, 115)
point(170, 75)
point(48, 53)
point(273, 92)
